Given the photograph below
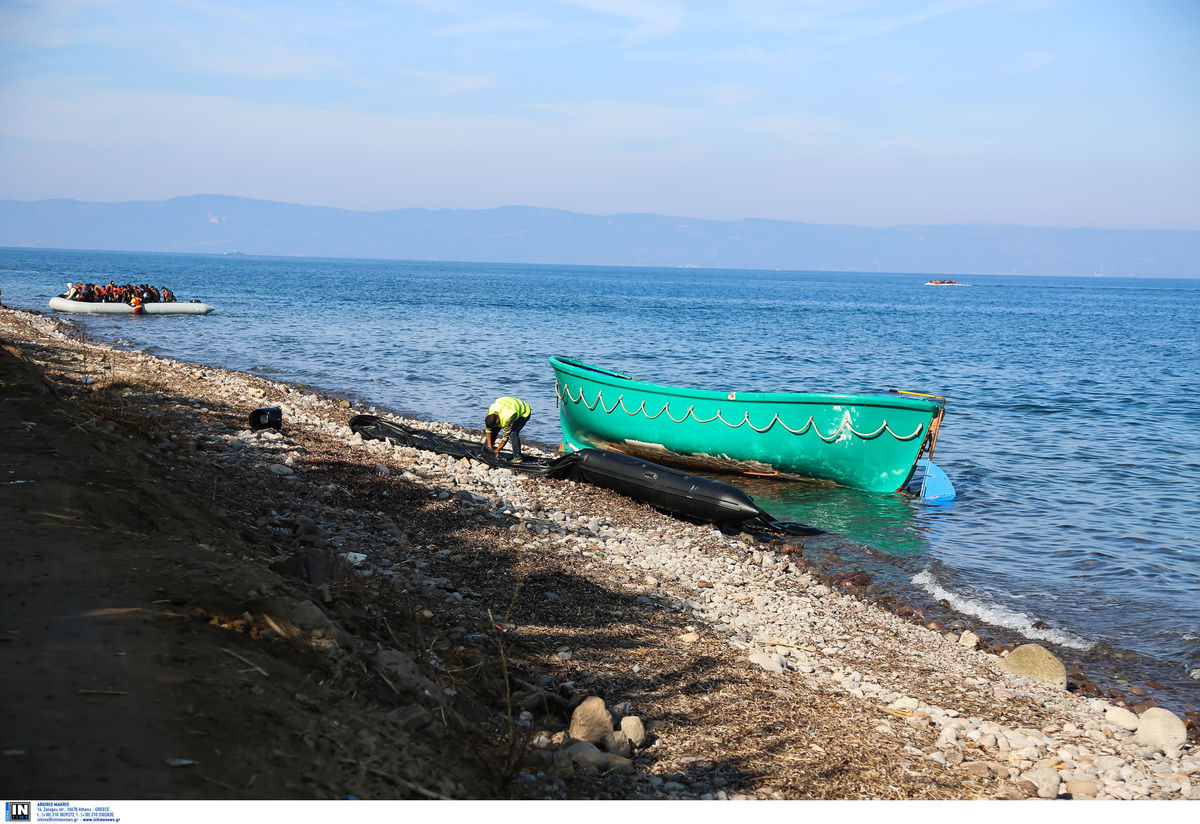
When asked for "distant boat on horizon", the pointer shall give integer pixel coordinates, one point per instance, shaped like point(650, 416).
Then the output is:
point(945, 283)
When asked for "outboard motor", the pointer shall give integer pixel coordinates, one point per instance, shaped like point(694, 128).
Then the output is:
point(269, 417)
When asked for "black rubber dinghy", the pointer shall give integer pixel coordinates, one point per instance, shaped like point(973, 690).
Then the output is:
point(680, 493)
point(659, 486)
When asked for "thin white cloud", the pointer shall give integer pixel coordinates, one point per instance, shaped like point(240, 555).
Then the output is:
point(253, 41)
point(618, 121)
point(1031, 63)
point(652, 18)
point(874, 25)
point(53, 23)
point(442, 84)
point(749, 55)
point(204, 39)
point(490, 25)
point(798, 129)
point(842, 20)
point(227, 15)
point(733, 94)
point(932, 147)
point(240, 56)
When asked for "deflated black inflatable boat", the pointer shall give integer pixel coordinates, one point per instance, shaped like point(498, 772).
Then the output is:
point(668, 489)
point(691, 496)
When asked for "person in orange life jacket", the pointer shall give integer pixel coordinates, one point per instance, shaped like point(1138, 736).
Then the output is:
point(506, 418)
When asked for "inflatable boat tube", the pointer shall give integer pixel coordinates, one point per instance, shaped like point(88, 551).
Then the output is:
point(83, 307)
point(659, 486)
point(268, 417)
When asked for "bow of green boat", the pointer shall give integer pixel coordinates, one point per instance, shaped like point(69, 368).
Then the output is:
point(870, 442)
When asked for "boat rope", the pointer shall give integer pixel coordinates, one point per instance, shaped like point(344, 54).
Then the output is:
point(564, 391)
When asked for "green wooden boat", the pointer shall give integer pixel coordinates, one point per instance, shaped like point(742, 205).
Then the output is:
point(870, 442)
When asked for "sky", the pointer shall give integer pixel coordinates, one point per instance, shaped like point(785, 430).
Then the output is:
point(1025, 112)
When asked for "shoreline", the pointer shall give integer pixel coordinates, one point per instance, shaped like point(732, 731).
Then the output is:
point(751, 674)
point(1125, 676)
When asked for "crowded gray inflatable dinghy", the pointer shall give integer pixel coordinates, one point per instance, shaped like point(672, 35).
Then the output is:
point(80, 307)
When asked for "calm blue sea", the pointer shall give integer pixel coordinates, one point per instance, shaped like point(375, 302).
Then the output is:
point(1072, 431)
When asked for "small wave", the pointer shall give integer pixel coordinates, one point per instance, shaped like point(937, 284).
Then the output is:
point(997, 615)
point(1195, 675)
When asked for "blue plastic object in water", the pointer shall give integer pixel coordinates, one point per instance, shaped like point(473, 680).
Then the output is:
point(936, 485)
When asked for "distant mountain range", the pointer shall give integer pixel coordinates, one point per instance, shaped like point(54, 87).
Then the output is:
point(516, 234)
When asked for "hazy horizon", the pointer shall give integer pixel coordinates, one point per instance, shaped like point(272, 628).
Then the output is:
point(218, 224)
point(979, 224)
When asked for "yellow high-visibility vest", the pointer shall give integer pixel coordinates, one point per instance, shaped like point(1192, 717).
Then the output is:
point(509, 409)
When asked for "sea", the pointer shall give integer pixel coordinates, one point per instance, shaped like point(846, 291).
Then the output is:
point(1071, 435)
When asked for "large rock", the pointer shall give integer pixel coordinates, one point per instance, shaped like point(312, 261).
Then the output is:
point(1037, 663)
point(591, 721)
point(306, 526)
point(314, 564)
point(617, 743)
point(1160, 729)
point(1047, 781)
point(1083, 787)
point(550, 703)
point(634, 730)
point(586, 755)
point(406, 676)
point(1121, 717)
point(410, 717)
point(769, 661)
point(309, 617)
point(591, 759)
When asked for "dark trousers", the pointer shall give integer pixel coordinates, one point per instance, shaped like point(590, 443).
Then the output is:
point(514, 435)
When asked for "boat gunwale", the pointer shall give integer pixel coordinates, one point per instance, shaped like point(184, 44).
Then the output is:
point(615, 379)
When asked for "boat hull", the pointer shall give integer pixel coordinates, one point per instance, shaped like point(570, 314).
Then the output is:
point(80, 307)
point(869, 442)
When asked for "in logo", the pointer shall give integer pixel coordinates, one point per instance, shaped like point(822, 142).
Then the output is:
point(17, 811)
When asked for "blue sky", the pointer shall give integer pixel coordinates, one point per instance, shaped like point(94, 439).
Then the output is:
point(871, 113)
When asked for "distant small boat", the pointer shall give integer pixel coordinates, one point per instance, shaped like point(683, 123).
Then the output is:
point(870, 442)
point(86, 307)
point(945, 283)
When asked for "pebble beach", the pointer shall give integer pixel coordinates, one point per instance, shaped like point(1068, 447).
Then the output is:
point(656, 658)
